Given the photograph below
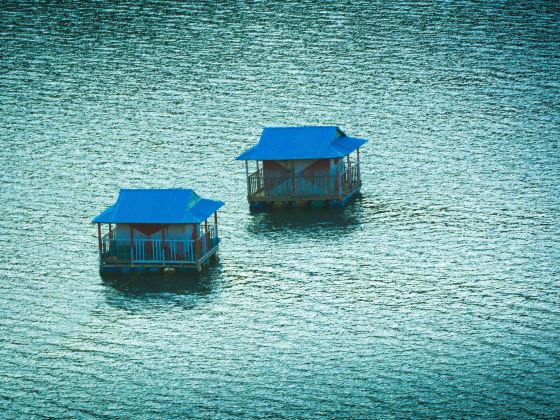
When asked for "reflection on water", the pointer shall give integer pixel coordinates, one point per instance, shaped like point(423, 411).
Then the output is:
point(172, 282)
point(145, 289)
point(146, 292)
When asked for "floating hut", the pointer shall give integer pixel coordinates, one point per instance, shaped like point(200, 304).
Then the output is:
point(158, 229)
point(299, 166)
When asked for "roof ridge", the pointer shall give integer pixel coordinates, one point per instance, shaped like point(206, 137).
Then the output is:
point(304, 126)
point(193, 200)
point(157, 189)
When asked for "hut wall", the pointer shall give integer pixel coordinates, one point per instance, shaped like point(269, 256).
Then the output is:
point(312, 176)
point(172, 232)
point(276, 174)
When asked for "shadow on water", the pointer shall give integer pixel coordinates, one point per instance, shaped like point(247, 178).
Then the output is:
point(144, 290)
point(307, 220)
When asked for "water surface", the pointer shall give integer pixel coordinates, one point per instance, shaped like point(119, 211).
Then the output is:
point(436, 293)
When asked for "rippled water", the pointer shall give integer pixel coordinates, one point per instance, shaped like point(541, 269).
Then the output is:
point(437, 293)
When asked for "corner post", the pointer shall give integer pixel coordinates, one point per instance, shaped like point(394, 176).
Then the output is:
point(99, 240)
point(216, 222)
point(358, 164)
point(248, 181)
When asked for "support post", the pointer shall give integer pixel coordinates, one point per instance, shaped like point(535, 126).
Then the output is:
point(216, 258)
point(294, 182)
point(358, 164)
point(163, 243)
point(207, 234)
point(110, 231)
point(216, 222)
point(99, 239)
point(258, 177)
point(131, 245)
point(348, 173)
point(339, 176)
point(196, 247)
point(248, 180)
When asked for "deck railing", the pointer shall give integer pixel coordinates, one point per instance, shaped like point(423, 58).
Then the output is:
point(157, 251)
point(314, 186)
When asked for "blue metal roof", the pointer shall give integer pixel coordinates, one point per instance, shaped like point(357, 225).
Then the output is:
point(151, 206)
point(294, 143)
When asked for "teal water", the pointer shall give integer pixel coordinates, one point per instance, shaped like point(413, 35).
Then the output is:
point(435, 294)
